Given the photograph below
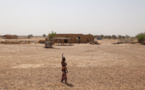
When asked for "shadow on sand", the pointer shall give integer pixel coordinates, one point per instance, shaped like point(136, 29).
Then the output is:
point(68, 84)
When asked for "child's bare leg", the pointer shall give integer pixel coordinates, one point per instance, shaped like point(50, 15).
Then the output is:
point(65, 80)
point(62, 80)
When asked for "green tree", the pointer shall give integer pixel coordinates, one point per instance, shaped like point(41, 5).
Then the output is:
point(51, 35)
point(141, 37)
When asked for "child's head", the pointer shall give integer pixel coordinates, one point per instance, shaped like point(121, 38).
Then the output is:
point(63, 59)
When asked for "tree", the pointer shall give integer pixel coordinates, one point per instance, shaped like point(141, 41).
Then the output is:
point(114, 37)
point(141, 37)
point(44, 35)
point(121, 37)
point(51, 35)
point(102, 36)
point(89, 34)
point(49, 43)
point(29, 36)
point(127, 36)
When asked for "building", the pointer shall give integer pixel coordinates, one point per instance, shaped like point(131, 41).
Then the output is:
point(10, 37)
point(74, 38)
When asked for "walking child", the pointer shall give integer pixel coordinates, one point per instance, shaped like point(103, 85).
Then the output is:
point(64, 69)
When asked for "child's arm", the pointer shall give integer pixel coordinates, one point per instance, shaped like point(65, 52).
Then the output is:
point(62, 55)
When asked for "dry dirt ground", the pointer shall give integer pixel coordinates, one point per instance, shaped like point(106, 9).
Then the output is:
point(91, 67)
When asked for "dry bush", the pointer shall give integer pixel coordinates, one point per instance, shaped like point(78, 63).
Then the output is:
point(10, 42)
point(41, 41)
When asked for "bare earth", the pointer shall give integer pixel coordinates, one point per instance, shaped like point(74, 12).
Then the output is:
point(91, 67)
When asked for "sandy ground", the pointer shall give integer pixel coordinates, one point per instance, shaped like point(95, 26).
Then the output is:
point(91, 67)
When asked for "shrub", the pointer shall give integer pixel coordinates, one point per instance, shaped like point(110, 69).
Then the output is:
point(44, 35)
point(29, 36)
point(141, 37)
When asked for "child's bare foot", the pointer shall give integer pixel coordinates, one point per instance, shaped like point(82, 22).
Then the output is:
point(61, 81)
point(66, 83)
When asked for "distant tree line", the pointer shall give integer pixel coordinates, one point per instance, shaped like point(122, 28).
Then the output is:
point(112, 36)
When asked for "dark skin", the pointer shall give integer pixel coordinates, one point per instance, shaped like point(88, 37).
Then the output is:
point(66, 68)
point(63, 61)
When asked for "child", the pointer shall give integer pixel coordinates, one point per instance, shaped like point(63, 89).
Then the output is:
point(64, 69)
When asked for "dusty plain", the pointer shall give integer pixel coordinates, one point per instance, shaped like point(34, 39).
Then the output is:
point(91, 67)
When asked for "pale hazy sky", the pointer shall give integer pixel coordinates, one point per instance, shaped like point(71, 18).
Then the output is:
point(37, 17)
